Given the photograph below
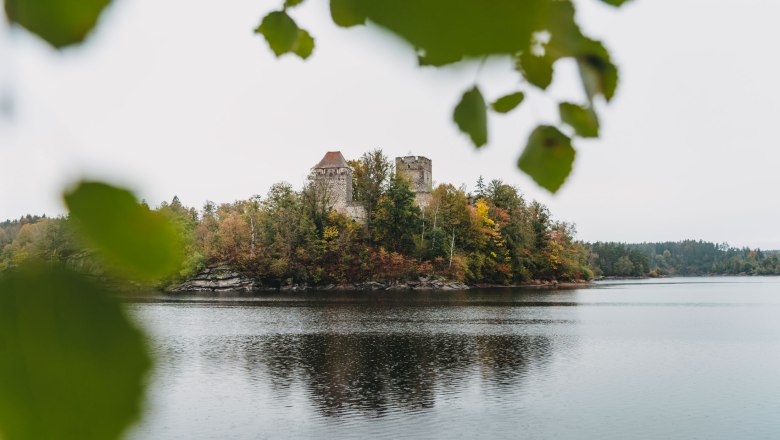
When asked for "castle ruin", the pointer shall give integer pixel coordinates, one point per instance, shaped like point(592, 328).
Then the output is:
point(333, 176)
point(417, 171)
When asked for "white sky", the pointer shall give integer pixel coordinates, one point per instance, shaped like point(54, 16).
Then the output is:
point(181, 98)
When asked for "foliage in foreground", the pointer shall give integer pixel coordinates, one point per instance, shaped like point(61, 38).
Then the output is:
point(72, 365)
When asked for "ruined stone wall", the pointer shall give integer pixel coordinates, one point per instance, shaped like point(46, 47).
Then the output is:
point(423, 199)
point(418, 171)
point(357, 212)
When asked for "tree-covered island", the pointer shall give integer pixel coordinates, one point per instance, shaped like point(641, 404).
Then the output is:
point(372, 222)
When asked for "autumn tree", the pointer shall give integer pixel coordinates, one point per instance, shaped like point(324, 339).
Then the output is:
point(287, 230)
point(316, 200)
point(490, 261)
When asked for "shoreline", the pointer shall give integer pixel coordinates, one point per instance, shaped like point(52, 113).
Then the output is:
point(231, 282)
point(224, 279)
point(698, 275)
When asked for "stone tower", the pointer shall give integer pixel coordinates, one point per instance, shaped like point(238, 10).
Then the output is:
point(333, 176)
point(417, 170)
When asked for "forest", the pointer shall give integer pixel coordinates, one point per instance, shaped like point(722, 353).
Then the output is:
point(683, 258)
point(489, 236)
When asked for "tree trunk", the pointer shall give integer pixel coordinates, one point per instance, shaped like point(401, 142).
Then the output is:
point(452, 245)
point(252, 242)
point(422, 237)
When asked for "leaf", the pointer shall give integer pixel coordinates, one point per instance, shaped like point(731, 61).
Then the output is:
point(453, 29)
point(507, 103)
point(135, 240)
point(72, 365)
point(58, 22)
point(424, 60)
point(471, 116)
point(599, 75)
point(347, 13)
point(292, 3)
point(536, 70)
point(280, 31)
point(304, 45)
point(548, 157)
point(583, 120)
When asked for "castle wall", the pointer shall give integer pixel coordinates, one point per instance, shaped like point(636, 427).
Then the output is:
point(423, 199)
point(337, 184)
point(356, 212)
point(417, 170)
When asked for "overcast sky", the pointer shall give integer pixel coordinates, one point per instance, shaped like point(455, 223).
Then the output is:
point(181, 98)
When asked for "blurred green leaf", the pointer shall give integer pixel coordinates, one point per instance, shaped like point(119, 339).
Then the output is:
point(583, 120)
point(471, 116)
point(59, 22)
point(454, 29)
point(304, 45)
point(292, 3)
point(425, 60)
point(548, 157)
point(535, 33)
point(507, 103)
point(283, 35)
point(72, 365)
point(134, 239)
point(280, 31)
point(537, 70)
point(599, 75)
point(347, 13)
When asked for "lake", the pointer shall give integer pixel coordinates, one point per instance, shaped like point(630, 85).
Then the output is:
point(675, 358)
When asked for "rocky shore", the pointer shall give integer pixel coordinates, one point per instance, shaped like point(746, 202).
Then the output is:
point(224, 279)
point(219, 279)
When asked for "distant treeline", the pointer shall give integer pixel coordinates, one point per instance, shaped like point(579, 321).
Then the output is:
point(687, 257)
point(492, 235)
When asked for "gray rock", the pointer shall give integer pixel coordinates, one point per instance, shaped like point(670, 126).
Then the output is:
point(218, 279)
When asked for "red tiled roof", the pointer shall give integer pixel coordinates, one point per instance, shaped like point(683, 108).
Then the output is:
point(332, 159)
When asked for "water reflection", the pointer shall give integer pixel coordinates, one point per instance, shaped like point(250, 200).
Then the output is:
point(369, 374)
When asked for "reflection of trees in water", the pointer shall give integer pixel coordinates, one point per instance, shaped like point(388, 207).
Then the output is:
point(506, 359)
point(373, 373)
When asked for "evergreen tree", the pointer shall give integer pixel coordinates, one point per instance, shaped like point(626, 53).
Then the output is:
point(479, 191)
point(397, 217)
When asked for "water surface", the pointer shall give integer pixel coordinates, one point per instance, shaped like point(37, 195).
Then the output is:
point(672, 358)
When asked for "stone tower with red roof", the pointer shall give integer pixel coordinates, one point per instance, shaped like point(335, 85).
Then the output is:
point(333, 178)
